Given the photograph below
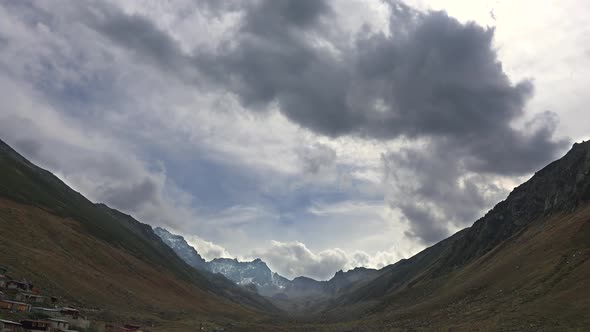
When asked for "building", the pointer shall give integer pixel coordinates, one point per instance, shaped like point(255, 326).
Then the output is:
point(3, 270)
point(10, 326)
point(70, 312)
point(14, 306)
point(36, 325)
point(59, 324)
point(49, 312)
point(31, 298)
point(15, 284)
point(73, 317)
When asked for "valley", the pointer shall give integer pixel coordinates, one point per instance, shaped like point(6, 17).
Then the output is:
point(525, 265)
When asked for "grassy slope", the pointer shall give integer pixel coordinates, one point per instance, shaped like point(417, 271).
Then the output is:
point(562, 188)
point(63, 259)
point(535, 280)
point(23, 182)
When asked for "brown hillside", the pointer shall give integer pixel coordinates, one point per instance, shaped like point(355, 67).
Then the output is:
point(535, 281)
point(59, 256)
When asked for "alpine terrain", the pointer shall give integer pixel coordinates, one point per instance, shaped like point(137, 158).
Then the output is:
point(523, 266)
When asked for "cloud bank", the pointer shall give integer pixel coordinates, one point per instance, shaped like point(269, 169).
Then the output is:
point(245, 122)
point(427, 78)
point(294, 259)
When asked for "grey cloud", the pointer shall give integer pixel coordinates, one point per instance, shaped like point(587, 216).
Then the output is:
point(141, 36)
point(429, 76)
point(316, 158)
point(425, 226)
point(512, 152)
point(104, 176)
point(432, 188)
point(28, 146)
point(266, 16)
point(130, 197)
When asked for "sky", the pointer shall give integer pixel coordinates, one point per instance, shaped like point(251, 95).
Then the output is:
point(316, 135)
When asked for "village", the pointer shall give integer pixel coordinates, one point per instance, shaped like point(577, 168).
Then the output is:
point(23, 308)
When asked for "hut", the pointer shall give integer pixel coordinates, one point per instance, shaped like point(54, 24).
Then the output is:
point(36, 325)
point(14, 306)
point(31, 298)
point(10, 326)
point(15, 284)
point(59, 324)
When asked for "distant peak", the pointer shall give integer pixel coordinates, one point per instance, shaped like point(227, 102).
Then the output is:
point(184, 250)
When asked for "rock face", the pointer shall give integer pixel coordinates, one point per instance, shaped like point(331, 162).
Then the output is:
point(256, 273)
point(182, 249)
point(559, 187)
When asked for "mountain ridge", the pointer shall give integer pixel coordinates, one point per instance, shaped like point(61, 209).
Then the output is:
point(562, 188)
point(522, 266)
point(257, 273)
point(24, 186)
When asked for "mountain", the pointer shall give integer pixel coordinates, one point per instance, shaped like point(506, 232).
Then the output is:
point(522, 266)
point(266, 282)
point(93, 256)
point(185, 251)
point(256, 273)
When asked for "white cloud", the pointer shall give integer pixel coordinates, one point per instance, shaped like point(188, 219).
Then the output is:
point(293, 259)
point(208, 250)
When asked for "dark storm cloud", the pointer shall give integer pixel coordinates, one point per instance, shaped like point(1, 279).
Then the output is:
point(429, 78)
point(141, 36)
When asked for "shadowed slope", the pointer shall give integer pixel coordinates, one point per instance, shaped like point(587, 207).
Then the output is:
point(541, 223)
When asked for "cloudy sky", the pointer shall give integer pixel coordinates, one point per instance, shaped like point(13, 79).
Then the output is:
point(317, 135)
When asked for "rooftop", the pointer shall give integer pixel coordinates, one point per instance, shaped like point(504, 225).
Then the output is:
point(45, 309)
point(9, 322)
point(68, 309)
point(9, 301)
